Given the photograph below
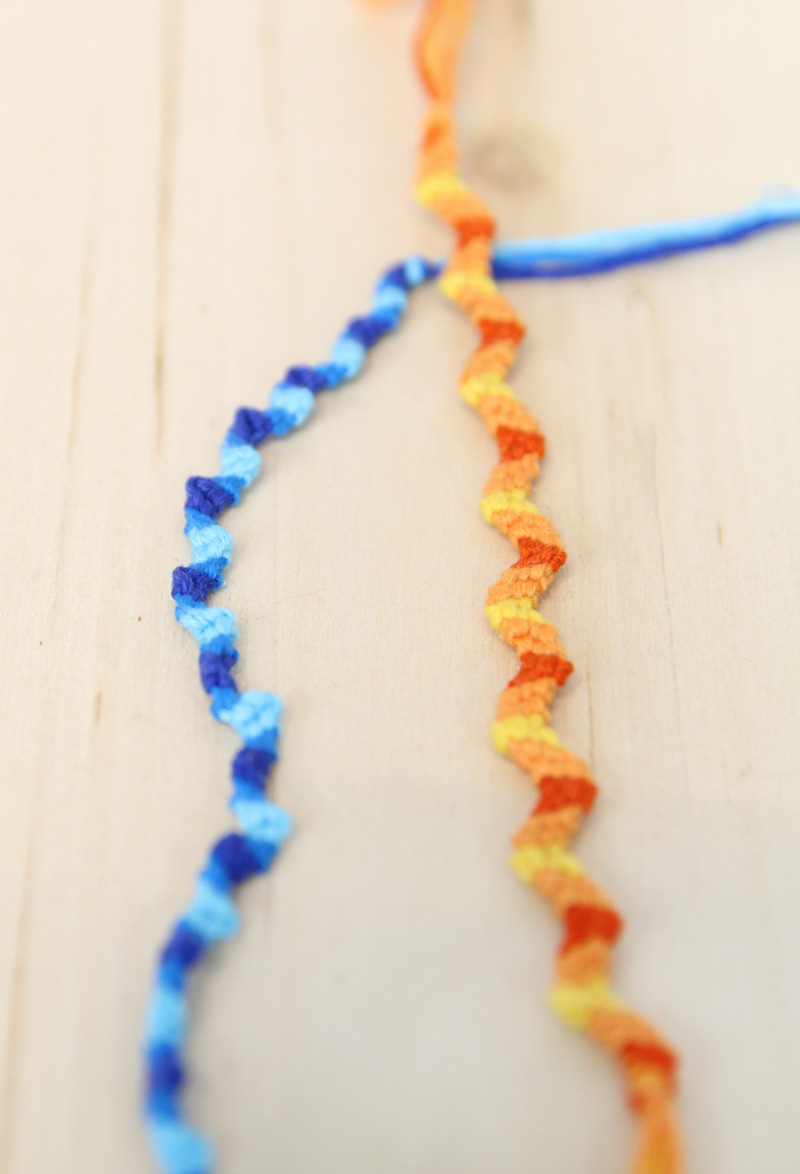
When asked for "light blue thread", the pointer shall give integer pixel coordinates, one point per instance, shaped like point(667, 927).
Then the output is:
point(262, 820)
point(600, 251)
point(295, 402)
point(389, 299)
point(251, 714)
point(417, 271)
point(206, 623)
point(349, 355)
point(180, 1149)
point(211, 912)
point(208, 541)
point(239, 460)
point(166, 1018)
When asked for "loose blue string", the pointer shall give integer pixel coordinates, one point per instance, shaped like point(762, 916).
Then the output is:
point(607, 249)
point(211, 915)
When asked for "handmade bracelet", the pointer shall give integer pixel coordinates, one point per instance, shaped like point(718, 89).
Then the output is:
point(522, 729)
point(582, 993)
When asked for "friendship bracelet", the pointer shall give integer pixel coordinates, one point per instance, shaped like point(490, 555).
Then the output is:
point(582, 993)
point(565, 786)
point(211, 916)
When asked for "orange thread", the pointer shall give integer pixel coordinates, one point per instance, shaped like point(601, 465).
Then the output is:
point(582, 993)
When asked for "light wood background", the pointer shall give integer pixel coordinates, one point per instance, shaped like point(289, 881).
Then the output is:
point(197, 193)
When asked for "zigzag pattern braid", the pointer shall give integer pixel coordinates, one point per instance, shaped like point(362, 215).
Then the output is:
point(211, 915)
point(582, 993)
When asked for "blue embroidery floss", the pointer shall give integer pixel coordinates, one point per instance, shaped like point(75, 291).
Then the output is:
point(607, 249)
point(211, 916)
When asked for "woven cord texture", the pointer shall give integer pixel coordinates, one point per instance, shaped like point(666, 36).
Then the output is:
point(582, 993)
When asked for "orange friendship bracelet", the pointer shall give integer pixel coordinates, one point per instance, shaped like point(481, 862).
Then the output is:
point(582, 993)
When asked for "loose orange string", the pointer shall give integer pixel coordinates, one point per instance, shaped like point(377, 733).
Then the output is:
point(582, 993)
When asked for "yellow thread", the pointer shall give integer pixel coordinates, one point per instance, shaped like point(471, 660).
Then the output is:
point(513, 609)
point(442, 183)
point(459, 281)
point(534, 858)
point(519, 728)
point(513, 499)
point(576, 1004)
point(479, 386)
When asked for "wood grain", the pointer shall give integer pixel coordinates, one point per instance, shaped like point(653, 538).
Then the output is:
point(196, 193)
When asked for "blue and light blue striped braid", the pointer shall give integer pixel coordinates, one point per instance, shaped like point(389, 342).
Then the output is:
point(255, 716)
point(211, 916)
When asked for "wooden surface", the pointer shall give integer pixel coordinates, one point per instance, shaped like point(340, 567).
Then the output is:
point(196, 193)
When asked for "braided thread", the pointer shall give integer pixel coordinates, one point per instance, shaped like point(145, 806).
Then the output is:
point(582, 993)
point(211, 916)
point(522, 729)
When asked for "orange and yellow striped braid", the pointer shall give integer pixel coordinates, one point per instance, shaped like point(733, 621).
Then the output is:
point(582, 993)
